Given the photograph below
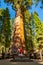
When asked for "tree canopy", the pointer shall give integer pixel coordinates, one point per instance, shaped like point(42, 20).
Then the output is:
point(24, 3)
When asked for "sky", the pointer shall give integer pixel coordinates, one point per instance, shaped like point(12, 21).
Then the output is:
point(12, 12)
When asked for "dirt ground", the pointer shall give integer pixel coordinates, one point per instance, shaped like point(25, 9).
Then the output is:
point(8, 62)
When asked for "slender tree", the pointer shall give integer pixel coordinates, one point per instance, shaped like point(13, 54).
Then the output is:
point(1, 26)
point(38, 29)
point(6, 27)
point(28, 30)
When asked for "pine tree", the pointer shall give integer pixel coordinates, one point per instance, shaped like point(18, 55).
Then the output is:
point(6, 27)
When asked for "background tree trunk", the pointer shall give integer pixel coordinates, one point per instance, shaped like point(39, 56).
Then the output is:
point(41, 54)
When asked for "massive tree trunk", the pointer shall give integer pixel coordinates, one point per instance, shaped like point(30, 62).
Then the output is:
point(18, 33)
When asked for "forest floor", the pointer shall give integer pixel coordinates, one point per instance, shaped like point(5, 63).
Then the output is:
point(8, 62)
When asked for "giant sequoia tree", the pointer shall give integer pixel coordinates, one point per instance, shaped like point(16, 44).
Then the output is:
point(18, 35)
point(20, 6)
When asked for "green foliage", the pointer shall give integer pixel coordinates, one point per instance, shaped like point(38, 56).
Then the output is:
point(12, 26)
point(38, 30)
point(28, 30)
point(1, 10)
point(6, 30)
point(6, 26)
point(24, 3)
